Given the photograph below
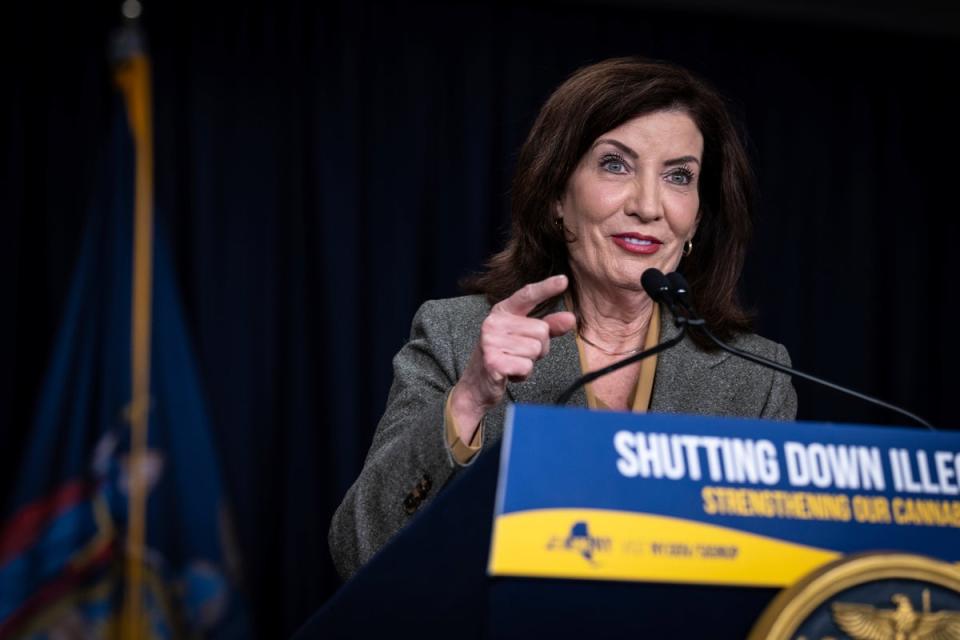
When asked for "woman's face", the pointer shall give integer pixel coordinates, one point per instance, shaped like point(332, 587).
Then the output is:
point(633, 200)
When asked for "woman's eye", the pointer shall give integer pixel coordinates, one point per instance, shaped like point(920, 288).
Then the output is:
point(681, 177)
point(613, 164)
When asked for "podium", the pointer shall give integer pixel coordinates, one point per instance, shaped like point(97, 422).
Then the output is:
point(432, 581)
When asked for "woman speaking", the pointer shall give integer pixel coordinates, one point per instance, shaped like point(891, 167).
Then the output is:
point(630, 164)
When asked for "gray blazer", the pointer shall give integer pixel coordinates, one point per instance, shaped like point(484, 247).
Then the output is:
point(409, 462)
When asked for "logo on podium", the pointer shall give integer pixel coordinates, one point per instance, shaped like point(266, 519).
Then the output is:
point(580, 541)
point(870, 596)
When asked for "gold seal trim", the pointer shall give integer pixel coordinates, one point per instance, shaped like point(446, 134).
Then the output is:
point(792, 606)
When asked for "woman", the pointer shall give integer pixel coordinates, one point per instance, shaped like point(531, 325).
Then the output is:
point(631, 164)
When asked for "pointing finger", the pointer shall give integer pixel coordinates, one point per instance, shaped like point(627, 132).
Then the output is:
point(526, 299)
point(560, 322)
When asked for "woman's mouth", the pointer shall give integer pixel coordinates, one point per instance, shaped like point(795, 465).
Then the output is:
point(637, 244)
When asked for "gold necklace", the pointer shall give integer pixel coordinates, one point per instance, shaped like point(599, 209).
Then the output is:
point(610, 353)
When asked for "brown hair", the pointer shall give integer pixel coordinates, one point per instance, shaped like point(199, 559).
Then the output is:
point(594, 100)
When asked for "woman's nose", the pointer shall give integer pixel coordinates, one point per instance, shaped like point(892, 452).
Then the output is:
point(644, 201)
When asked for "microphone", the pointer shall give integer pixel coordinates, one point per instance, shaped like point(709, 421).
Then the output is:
point(658, 288)
point(680, 291)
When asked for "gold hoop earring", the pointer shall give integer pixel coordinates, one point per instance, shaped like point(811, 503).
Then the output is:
point(688, 247)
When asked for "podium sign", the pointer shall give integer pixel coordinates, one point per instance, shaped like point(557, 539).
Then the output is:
point(672, 498)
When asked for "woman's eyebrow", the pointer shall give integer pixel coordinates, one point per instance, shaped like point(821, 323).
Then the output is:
point(627, 150)
point(681, 160)
point(633, 154)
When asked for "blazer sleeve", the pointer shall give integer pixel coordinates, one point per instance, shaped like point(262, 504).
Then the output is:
point(408, 461)
point(781, 402)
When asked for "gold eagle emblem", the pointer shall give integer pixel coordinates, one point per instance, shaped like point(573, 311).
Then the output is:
point(865, 622)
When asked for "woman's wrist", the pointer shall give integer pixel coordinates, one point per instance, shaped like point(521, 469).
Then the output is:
point(467, 411)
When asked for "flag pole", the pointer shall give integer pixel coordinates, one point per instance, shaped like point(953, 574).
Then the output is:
point(132, 76)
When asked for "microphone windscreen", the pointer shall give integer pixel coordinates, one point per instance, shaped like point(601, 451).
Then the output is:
point(677, 282)
point(680, 290)
point(655, 284)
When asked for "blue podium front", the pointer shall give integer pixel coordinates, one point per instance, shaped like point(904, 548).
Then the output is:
point(708, 500)
point(555, 546)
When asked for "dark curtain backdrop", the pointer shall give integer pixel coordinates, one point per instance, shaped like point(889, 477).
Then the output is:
point(323, 170)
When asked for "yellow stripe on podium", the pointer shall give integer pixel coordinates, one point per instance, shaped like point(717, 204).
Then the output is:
point(613, 545)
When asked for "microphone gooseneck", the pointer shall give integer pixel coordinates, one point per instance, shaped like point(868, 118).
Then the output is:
point(680, 291)
point(593, 375)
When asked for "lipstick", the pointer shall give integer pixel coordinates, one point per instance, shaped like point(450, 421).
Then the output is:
point(637, 243)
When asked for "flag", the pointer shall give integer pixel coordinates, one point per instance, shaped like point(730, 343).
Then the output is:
point(118, 525)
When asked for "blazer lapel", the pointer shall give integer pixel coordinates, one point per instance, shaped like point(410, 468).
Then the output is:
point(683, 372)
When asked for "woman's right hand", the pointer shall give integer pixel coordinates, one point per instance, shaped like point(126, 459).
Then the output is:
point(509, 345)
